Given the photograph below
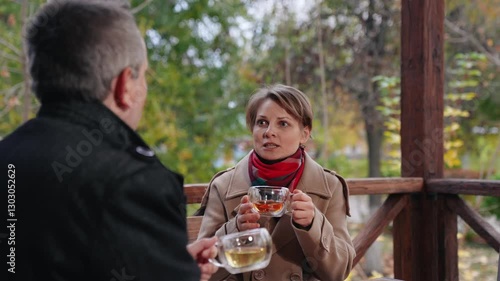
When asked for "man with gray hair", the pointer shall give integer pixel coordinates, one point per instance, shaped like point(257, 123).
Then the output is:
point(90, 200)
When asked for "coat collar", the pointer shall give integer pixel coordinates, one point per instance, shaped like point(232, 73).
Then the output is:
point(313, 179)
point(95, 116)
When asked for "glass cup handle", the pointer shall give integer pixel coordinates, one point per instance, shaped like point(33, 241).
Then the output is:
point(289, 203)
point(213, 260)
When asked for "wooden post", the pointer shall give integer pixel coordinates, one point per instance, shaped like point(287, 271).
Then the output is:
point(417, 255)
point(449, 249)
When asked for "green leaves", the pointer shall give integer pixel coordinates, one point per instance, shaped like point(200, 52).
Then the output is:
point(192, 82)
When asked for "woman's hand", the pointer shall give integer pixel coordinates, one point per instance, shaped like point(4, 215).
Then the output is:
point(302, 209)
point(246, 218)
point(201, 250)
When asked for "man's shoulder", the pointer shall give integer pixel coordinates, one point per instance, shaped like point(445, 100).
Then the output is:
point(22, 138)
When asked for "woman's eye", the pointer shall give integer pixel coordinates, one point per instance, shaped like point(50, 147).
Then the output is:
point(261, 122)
point(283, 124)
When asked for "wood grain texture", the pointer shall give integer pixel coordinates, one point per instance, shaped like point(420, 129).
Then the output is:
point(194, 192)
point(402, 238)
point(464, 186)
point(475, 221)
point(422, 103)
point(376, 224)
point(193, 227)
point(449, 249)
point(365, 186)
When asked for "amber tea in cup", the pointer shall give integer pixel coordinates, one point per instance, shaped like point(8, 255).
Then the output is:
point(269, 200)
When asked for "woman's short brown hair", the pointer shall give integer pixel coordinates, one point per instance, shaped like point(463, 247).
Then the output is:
point(293, 101)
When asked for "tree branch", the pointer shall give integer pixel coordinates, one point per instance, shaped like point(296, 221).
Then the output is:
point(8, 56)
point(10, 46)
point(474, 41)
point(9, 93)
point(141, 6)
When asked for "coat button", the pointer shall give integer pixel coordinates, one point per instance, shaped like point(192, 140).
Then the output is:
point(326, 243)
point(259, 274)
point(295, 277)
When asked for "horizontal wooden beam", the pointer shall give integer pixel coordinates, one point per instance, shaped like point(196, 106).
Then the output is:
point(357, 186)
point(464, 186)
point(475, 221)
point(194, 192)
point(365, 186)
point(376, 224)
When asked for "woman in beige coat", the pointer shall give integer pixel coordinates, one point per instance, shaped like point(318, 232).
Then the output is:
point(311, 242)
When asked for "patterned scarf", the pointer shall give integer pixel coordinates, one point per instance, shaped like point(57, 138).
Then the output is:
point(286, 172)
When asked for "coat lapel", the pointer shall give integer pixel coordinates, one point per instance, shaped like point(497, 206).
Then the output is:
point(240, 180)
point(313, 181)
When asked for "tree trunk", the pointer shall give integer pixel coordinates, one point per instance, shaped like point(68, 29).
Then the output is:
point(373, 126)
point(26, 96)
point(374, 135)
point(321, 58)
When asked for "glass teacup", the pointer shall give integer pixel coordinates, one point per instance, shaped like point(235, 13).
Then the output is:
point(244, 251)
point(269, 200)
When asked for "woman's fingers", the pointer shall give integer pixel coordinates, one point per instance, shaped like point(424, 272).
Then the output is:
point(246, 225)
point(245, 199)
point(245, 208)
point(246, 217)
point(247, 221)
point(302, 208)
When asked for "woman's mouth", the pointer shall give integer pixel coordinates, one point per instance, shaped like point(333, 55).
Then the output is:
point(270, 145)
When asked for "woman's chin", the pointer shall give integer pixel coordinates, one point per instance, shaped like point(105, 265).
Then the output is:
point(269, 155)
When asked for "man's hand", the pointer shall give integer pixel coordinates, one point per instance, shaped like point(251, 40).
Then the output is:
point(246, 218)
point(201, 250)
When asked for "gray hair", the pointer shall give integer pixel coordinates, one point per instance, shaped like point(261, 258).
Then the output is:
point(75, 49)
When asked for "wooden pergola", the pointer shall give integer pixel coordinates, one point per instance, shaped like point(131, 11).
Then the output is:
point(422, 252)
point(422, 205)
point(425, 224)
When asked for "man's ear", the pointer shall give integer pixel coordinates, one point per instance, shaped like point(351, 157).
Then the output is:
point(121, 90)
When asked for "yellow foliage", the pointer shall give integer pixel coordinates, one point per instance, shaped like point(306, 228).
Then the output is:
point(394, 154)
point(463, 254)
point(455, 112)
point(375, 274)
point(453, 127)
point(452, 144)
point(198, 140)
point(185, 154)
point(451, 159)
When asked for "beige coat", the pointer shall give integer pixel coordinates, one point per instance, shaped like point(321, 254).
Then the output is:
point(324, 252)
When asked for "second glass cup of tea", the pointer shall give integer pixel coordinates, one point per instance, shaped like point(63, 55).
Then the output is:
point(269, 200)
point(244, 251)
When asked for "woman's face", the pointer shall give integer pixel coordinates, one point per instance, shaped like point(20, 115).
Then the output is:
point(276, 134)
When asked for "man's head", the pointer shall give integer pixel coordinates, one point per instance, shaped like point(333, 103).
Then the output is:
point(88, 50)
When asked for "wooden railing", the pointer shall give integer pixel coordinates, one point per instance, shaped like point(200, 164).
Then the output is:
point(400, 191)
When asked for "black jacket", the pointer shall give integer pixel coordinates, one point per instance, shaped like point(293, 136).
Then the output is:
point(92, 202)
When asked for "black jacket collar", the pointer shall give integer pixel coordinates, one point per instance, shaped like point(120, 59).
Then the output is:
point(96, 116)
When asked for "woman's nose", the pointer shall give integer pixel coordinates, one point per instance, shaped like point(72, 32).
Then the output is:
point(269, 132)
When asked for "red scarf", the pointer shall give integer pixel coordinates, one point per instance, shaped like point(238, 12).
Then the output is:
point(286, 172)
